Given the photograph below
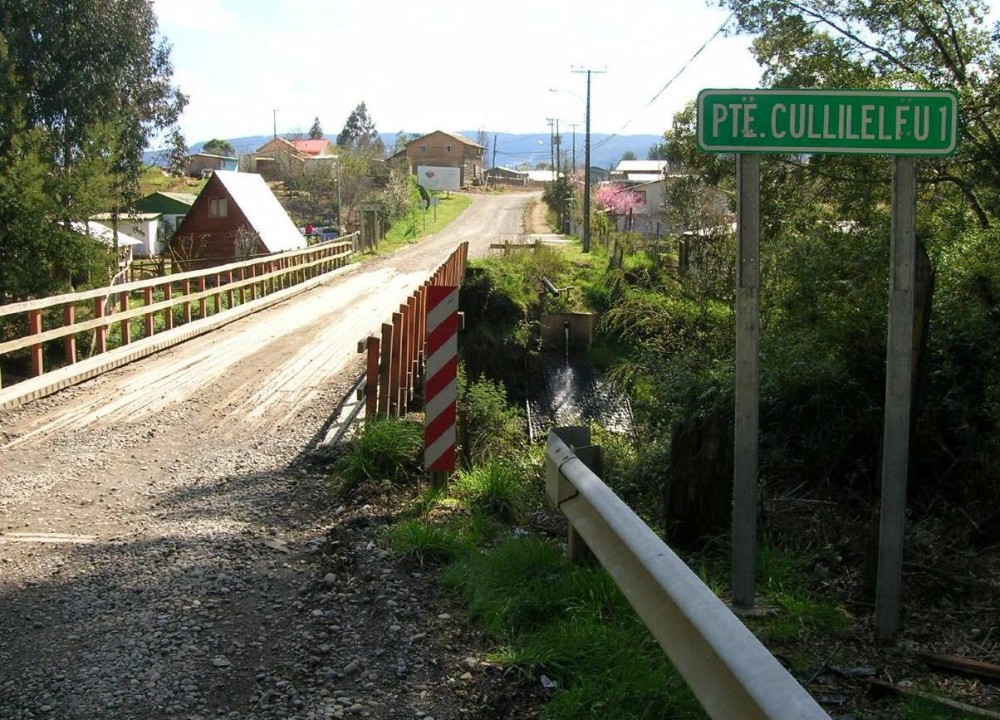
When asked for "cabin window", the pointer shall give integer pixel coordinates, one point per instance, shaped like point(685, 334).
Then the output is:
point(423, 148)
point(219, 207)
point(447, 148)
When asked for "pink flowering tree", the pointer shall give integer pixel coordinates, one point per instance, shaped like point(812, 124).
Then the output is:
point(616, 200)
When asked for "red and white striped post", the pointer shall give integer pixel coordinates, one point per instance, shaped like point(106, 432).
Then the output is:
point(442, 382)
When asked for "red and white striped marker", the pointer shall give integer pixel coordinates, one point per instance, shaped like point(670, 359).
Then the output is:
point(442, 378)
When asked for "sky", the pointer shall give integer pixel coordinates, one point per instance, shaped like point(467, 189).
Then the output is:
point(456, 65)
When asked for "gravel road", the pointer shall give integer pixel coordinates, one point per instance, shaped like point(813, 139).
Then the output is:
point(168, 547)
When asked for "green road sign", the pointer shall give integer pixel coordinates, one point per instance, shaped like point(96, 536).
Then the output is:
point(869, 122)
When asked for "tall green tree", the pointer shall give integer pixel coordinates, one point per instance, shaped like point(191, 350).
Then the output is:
point(84, 86)
point(359, 132)
point(895, 44)
point(177, 153)
point(215, 146)
point(316, 131)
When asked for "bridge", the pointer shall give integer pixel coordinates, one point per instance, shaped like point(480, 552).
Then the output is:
point(164, 539)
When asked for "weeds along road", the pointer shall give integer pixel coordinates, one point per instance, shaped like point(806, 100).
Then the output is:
point(166, 551)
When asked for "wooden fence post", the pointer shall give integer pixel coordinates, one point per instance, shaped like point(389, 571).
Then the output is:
point(69, 319)
point(384, 365)
point(37, 351)
point(100, 311)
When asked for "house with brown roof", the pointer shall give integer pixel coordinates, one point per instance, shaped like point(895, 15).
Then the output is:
point(441, 149)
point(279, 158)
point(235, 217)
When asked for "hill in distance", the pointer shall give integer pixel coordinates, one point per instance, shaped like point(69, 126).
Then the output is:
point(509, 149)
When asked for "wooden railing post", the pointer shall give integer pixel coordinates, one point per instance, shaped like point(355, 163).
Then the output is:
point(187, 303)
point(385, 362)
point(218, 293)
point(203, 303)
point(229, 291)
point(396, 364)
point(123, 305)
point(371, 386)
point(100, 311)
point(243, 288)
point(168, 316)
point(69, 319)
point(253, 285)
point(148, 317)
point(37, 351)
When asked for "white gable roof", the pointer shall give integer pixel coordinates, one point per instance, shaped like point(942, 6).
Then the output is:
point(262, 210)
point(641, 166)
point(103, 233)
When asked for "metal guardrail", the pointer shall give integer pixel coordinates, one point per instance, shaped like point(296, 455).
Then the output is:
point(730, 672)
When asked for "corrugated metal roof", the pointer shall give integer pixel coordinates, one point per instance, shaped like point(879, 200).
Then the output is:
point(262, 210)
point(644, 178)
point(126, 216)
point(102, 233)
point(187, 198)
point(312, 147)
point(641, 166)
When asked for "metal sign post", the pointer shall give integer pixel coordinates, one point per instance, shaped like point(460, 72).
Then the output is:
point(902, 123)
point(898, 398)
point(747, 379)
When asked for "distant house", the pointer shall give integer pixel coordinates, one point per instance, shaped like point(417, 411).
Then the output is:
point(172, 206)
point(142, 226)
point(98, 231)
point(598, 174)
point(235, 217)
point(506, 176)
point(446, 150)
point(199, 164)
point(540, 177)
point(280, 158)
point(639, 171)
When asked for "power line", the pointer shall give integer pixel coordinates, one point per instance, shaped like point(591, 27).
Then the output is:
point(670, 82)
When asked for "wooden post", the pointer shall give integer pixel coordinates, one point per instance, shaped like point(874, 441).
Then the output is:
point(148, 317)
point(168, 294)
point(218, 293)
point(69, 319)
point(371, 386)
point(100, 311)
point(384, 365)
point(187, 303)
point(898, 398)
point(123, 304)
point(396, 364)
point(411, 345)
point(37, 351)
point(243, 288)
point(203, 303)
point(747, 380)
point(253, 287)
point(229, 291)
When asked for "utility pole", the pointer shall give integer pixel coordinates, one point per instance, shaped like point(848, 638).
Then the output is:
point(574, 126)
point(552, 144)
point(558, 150)
point(493, 165)
point(586, 162)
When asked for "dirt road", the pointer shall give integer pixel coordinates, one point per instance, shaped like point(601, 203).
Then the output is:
point(167, 550)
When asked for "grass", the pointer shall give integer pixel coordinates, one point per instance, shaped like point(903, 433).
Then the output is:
point(495, 489)
point(425, 543)
point(387, 451)
point(420, 224)
point(572, 625)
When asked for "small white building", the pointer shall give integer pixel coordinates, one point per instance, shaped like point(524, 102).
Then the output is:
point(143, 226)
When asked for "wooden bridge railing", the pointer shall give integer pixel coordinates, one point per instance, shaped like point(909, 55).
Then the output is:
point(142, 308)
point(396, 359)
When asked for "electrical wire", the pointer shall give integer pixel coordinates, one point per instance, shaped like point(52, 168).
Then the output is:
point(669, 82)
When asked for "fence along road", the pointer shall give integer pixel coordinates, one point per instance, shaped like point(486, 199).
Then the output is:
point(263, 368)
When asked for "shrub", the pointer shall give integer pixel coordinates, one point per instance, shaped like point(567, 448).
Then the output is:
point(387, 451)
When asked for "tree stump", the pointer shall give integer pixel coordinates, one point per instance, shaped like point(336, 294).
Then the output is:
point(698, 497)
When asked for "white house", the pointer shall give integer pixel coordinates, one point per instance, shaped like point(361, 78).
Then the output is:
point(143, 226)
